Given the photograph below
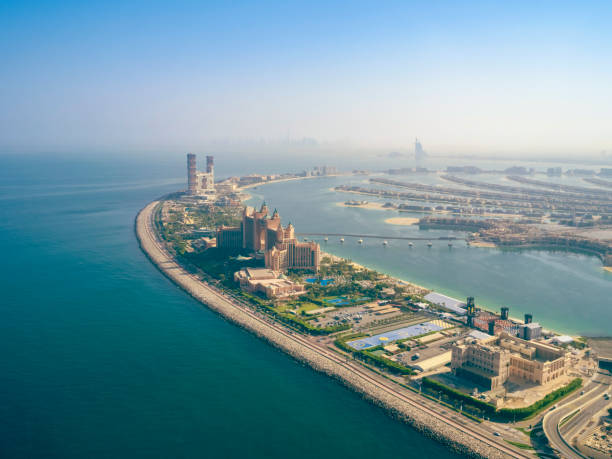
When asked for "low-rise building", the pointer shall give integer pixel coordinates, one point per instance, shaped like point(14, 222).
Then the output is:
point(530, 331)
point(490, 362)
point(271, 283)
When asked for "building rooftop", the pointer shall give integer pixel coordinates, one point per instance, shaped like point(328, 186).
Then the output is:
point(477, 334)
point(261, 273)
point(446, 302)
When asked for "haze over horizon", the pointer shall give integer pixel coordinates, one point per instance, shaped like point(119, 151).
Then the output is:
point(483, 78)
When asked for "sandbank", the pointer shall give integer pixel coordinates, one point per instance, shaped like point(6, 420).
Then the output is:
point(369, 205)
point(404, 221)
point(489, 245)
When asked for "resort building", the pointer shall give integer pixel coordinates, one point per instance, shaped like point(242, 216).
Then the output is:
point(272, 284)
point(491, 362)
point(285, 252)
point(259, 230)
point(262, 233)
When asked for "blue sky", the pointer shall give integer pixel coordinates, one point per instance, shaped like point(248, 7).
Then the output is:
point(519, 77)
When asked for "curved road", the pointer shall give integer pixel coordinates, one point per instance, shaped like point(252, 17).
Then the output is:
point(464, 425)
point(587, 404)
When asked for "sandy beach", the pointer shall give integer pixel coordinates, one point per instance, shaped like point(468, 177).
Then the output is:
point(404, 221)
point(488, 245)
point(608, 268)
point(337, 258)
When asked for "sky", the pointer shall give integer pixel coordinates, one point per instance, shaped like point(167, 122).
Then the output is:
point(532, 77)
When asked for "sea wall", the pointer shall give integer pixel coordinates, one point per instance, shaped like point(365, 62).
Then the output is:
point(429, 425)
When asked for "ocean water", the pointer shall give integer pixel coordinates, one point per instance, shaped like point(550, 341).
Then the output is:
point(102, 357)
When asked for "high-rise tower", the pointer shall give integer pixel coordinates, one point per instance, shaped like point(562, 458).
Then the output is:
point(192, 179)
point(210, 164)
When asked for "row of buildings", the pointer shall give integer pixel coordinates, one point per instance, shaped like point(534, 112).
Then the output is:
point(261, 233)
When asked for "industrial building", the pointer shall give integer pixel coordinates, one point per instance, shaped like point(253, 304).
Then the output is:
point(491, 362)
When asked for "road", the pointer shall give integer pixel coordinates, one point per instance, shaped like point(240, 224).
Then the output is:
point(590, 403)
point(211, 295)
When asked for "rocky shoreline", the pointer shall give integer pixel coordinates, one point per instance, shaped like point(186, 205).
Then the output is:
point(427, 424)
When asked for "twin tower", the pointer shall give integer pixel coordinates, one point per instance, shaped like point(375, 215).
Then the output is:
point(200, 183)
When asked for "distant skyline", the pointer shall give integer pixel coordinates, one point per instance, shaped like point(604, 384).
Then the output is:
point(524, 78)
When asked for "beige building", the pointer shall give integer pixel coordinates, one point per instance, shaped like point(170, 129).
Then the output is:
point(272, 284)
point(287, 252)
point(490, 362)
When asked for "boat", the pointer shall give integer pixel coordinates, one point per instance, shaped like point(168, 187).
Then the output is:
point(341, 239)
point(429, 244)
point(385, 243)
point(410, 244)
point(450, 244)
point(326, 239)
point(360, 241)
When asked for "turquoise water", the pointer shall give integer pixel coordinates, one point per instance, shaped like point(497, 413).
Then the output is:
point(564, 291)
point(103, 357)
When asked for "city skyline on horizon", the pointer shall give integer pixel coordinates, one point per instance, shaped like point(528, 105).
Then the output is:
point(482, 79)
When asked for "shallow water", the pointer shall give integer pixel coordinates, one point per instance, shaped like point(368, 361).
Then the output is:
point(564, 291)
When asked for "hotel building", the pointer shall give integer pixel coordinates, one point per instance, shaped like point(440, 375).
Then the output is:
point(264, 234)
point(491, 362)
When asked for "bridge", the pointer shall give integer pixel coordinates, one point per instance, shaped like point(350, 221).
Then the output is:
point(374, 236)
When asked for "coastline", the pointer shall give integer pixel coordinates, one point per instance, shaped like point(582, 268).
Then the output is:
point(410, 408)
point(394, 280)
point(290, 179)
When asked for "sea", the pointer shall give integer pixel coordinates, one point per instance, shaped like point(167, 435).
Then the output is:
point(103, 357)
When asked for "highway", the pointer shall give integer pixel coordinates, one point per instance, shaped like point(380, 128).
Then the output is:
point(212, 295)
point(588, 404)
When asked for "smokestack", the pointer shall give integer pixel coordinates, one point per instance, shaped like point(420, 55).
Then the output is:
point(504, 313)
point(528, 318)
point(192, 181)
point(210, 164)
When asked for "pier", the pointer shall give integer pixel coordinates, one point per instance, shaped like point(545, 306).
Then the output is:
point(374, 236)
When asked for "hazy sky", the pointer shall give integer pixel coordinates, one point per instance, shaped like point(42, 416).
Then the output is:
point(500, 76)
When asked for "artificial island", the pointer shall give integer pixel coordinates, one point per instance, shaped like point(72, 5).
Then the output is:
point(482, 382)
